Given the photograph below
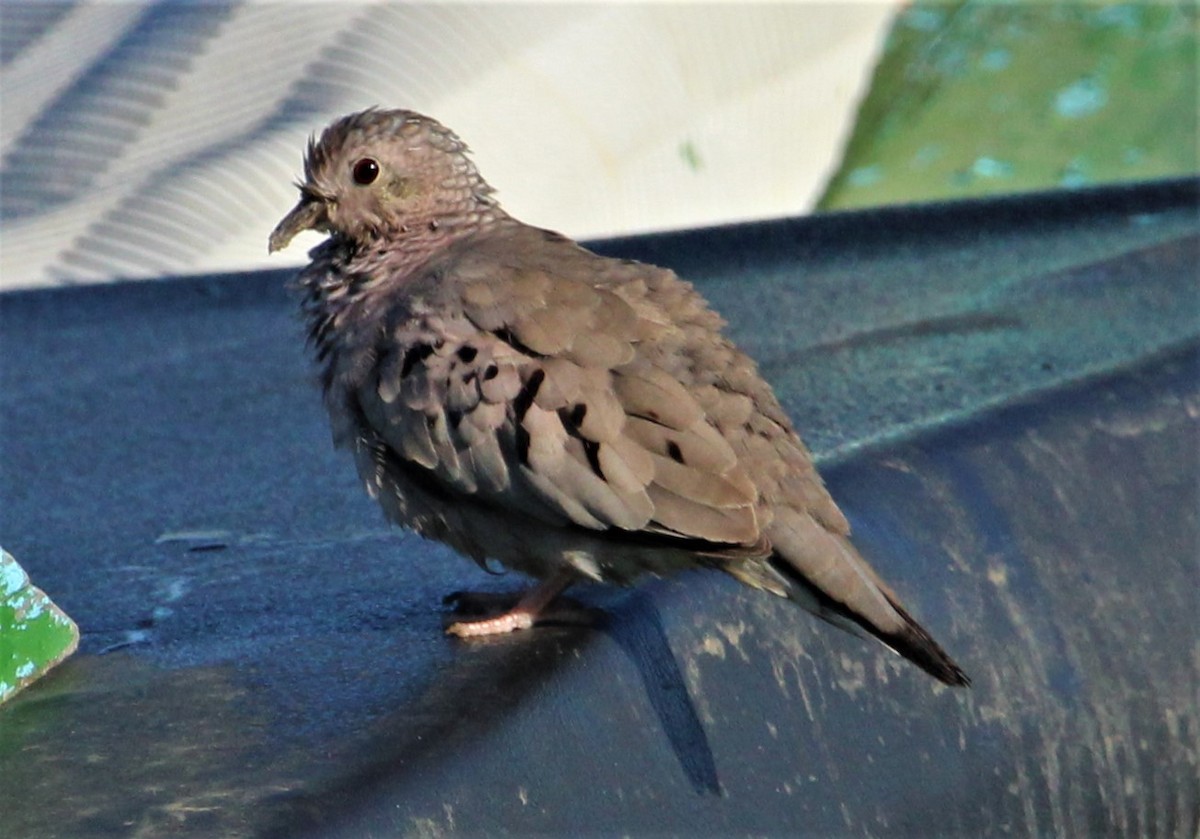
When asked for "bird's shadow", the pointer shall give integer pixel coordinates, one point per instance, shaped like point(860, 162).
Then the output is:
point(633, 621)
point(637, 628)
point(452, 707)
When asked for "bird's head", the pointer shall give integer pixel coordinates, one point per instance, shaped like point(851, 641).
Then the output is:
point(377, 174)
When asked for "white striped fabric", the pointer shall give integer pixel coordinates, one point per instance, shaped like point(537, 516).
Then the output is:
point(141, 140)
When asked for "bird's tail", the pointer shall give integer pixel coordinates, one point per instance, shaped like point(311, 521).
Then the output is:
point(909, 639)
point(821, 571)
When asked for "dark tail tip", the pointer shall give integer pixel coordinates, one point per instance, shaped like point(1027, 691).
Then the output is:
point(918, 646)
point(911, 642)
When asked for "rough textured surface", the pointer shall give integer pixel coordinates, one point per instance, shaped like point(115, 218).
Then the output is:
point(282, 669)
point(571, 416)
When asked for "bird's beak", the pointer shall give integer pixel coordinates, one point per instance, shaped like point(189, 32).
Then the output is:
point(309, 214)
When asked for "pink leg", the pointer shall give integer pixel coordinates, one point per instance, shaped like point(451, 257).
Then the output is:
point(522, 616)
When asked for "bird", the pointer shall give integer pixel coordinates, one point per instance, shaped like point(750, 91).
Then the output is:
point(571, 416)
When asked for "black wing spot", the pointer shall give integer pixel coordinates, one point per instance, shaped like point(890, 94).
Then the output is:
point(528, 393)
point(467, 353)
point(522, 445)
point(509, 337)
point(414, 354)
point(573, 418)
point(592, 449)
point(491, 372)
point(674, 451)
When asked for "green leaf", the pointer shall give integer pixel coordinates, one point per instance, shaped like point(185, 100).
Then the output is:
point(35, 635)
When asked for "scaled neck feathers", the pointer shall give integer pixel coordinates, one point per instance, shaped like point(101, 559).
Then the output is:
point(343, 271)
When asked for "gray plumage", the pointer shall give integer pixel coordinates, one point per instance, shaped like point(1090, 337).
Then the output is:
point(574, 417)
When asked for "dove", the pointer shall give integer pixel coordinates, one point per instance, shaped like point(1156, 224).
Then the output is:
point(573, 417)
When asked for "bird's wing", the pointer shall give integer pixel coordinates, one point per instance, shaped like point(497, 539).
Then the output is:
point(551, 396)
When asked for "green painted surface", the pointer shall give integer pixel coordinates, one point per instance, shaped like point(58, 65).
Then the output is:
point(977, 98)
point(35, 634)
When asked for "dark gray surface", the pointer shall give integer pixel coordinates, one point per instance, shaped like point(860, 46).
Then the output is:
point(166, 475)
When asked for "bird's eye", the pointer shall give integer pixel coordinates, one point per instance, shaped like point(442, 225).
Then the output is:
point(365, 171)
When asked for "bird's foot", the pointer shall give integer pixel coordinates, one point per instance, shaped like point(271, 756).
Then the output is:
point(531, 608)
point(509, 621)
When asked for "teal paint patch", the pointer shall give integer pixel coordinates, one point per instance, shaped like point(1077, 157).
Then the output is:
point(1080, 99)
point(1125, 16)
point(990, 167)
point(922, 19)
point(865, 176)
point(996, 60)
point(927, 155)
point(1075, 174)
point(12, 577)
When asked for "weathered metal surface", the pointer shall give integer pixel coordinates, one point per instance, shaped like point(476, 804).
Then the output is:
point(1005, 395)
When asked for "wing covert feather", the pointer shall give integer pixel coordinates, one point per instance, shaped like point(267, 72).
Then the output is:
point(533, 392)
